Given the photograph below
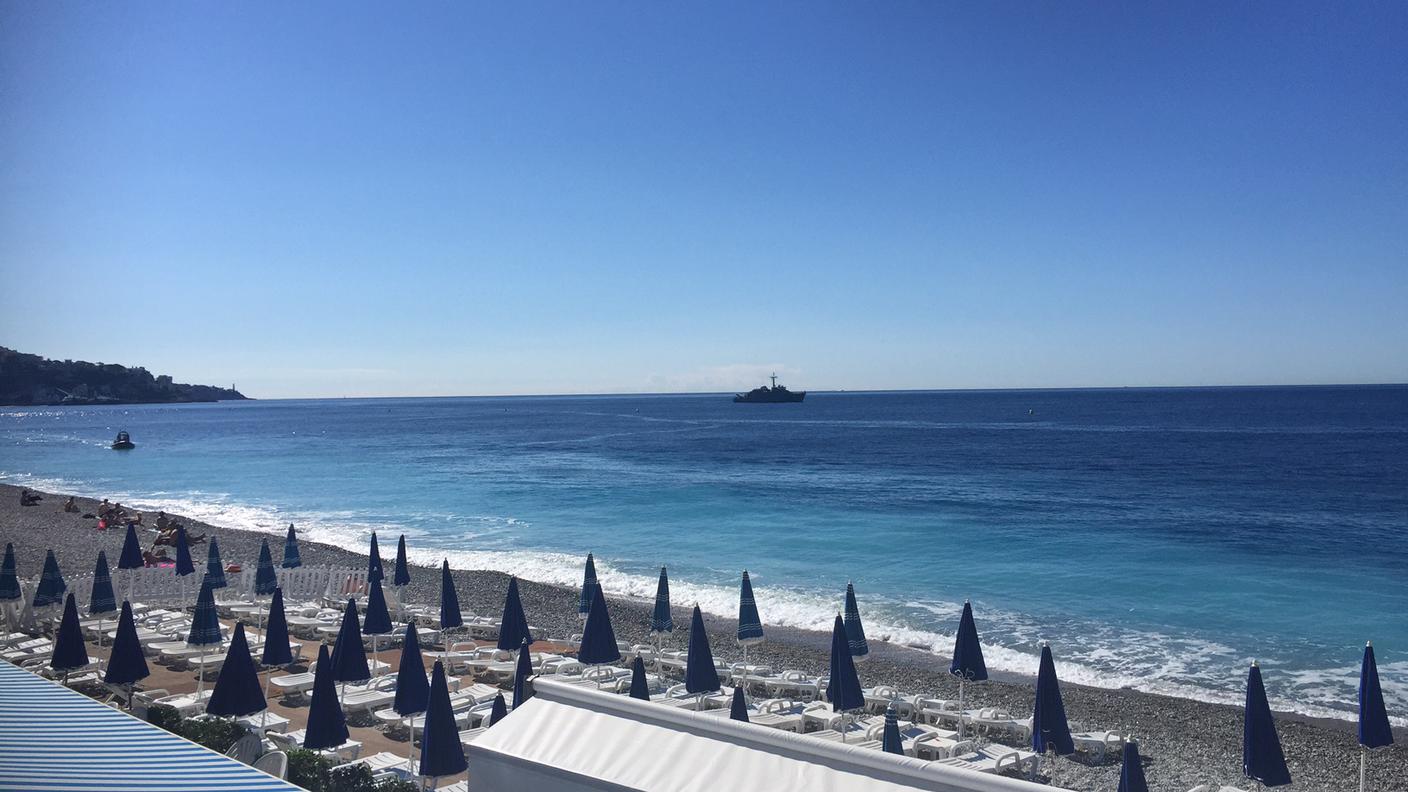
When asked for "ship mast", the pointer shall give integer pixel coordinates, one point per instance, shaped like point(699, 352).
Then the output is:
point(774, 380)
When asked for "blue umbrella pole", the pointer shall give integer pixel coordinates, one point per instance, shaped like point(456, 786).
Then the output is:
point(1363, 765)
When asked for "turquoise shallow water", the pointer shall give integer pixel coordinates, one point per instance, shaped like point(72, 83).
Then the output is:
point(1158, 538)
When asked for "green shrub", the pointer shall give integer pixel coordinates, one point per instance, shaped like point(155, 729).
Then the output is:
point(164, 717)
point(350, 779)
point(397, 785)
point(217, 734)
point(307, 769)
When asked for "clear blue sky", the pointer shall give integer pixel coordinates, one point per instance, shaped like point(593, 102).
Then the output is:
point(334, 199)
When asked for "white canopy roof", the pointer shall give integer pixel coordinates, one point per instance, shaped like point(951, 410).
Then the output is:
point(567, 738)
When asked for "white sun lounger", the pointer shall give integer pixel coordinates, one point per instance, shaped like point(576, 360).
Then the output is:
point(187, 704)
point(1100, 743)
point(385, 764)
point(785, 714)
point(371, 698)
point(264, 722)
point(793, 684)
point(345, 752)
point(991, 759)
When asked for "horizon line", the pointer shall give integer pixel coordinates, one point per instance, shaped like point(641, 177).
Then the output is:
point(834, 391)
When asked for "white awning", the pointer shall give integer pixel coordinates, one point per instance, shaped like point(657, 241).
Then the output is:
point(53, 739)
point(568, 738)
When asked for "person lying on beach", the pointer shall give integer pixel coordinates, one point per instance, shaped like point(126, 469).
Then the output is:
point(168, 537)
point(70, 505)
point(162, 522)
point(28, 498)
point(155, 557)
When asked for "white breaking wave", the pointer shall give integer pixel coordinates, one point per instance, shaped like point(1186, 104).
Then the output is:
point(1147, 661)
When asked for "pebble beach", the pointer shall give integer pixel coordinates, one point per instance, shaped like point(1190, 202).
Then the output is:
point(1184, 742)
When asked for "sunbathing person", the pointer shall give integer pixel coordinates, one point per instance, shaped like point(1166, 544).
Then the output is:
point(155, 557)
point(70, 505)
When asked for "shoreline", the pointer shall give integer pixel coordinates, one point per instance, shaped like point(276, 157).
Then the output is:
point(1185, 742)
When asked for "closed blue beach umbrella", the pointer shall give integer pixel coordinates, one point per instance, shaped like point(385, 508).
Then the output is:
point(131, 558)
point(640, 686)
point(750, 626)
point(1374, 730)
point(843, 686)
point(51, 588)
point(374, 574)
point(205, 628)
point(967, 663)
point(291, 557)
point(1132, 770)
point(441, 753)
point(9, 578)
point(69, 651)
point(890, 740)
point(1262, 759)
point(700, 675)
point(403, 569)
point(661, 621)
point(498, 709)
point(214, 567)
point(855, 633)
point(412, 688)
point(265, 580)
point(738, 707)
point(184, 564)
point(598, 638)
point(377, 622)
point(584, 602)
point(349, 656)
point(327, 726)
point(127, 665)
point(101, 600)
point(276, 651)
point(513, 625)
point(205, 622)
point(521, 673)
point(450, 616)
point(237, 692)
point(378, 618)
point(1050, 731)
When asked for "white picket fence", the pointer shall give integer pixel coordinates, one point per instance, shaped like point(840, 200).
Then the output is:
point(161, 586)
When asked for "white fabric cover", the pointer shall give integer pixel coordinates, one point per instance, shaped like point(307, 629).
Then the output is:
point(568, 738)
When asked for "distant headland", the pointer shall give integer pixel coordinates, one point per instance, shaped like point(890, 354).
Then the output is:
point(34, 380)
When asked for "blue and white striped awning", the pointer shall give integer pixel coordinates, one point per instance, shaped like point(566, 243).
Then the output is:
point(52, 738)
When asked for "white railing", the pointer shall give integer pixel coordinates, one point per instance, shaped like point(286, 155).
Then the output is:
point(161, 586)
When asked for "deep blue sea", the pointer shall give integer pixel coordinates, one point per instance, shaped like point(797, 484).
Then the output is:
point(1159, 539)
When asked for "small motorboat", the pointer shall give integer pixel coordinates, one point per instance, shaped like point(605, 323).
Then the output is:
point(123, 442)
